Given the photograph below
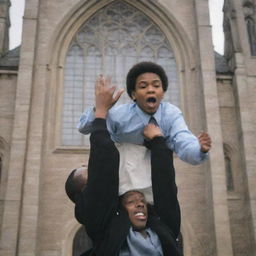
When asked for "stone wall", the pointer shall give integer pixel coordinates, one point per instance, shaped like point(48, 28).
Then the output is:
point(7, 103)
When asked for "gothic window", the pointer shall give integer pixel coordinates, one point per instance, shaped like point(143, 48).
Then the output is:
point(73, 91)
point(1, 163)
point(110, 42)
point(81, 242)
point(229, 174)
point(249, 14)
point(251, 29)
point(229, 46)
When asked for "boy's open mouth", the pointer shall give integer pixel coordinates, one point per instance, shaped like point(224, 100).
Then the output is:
point(151, 99)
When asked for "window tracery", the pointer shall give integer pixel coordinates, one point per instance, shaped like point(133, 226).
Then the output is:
point(228, 169)
point(110, 42)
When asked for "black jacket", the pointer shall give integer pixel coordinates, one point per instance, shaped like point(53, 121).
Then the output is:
point(98, 208)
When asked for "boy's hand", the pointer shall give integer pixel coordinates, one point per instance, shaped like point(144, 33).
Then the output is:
point(151, 131)
point(205, 142)
point(104, 96)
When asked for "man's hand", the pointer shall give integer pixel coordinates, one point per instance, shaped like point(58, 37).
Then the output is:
point(104, 96)
point(151, 131)
point(205, 142)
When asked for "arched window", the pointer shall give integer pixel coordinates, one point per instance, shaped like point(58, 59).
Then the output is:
point(81, 242)
point(251, 29)
point(229, 175)
point(250, 20)
point(1, 163)
point(229, 171)
point(110, 42)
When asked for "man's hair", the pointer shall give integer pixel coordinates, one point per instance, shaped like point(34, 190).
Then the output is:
point(74, 185)
point(70, 186)
point(141, 68)
point(121, 197)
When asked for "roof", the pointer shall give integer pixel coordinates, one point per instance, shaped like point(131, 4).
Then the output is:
point(10, 60)
point(221, 64)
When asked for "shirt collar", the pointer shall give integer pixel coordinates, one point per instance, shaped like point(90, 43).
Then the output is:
point(145, 117)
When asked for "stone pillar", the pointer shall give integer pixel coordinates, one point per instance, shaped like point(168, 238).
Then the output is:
point(4, 26)
point(213, 126)
point(13, 211)
point(245, 100)
point(244, 84)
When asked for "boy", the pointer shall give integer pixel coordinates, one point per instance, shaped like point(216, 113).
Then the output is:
point(146, 84)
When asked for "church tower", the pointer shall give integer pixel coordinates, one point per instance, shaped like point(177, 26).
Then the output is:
point(4, 25)
point(239, 25)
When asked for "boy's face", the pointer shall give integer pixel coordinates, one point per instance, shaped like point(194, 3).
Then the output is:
point(148, 92)
point(136, 206)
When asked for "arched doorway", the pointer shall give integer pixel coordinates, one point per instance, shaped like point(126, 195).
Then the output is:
point(81, 242)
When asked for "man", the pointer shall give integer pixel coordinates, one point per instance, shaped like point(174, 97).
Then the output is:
point(127, 225)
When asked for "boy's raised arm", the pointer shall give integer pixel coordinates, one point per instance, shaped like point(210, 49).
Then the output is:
point(105, 93)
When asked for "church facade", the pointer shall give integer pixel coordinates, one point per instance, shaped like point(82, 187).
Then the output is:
point(46, 83)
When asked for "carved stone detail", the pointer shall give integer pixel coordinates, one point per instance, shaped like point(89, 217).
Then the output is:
point(250, 20)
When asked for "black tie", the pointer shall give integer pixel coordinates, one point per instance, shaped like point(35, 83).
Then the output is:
point(152, 120)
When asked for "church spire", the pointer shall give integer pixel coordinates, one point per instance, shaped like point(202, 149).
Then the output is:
point(4, 25)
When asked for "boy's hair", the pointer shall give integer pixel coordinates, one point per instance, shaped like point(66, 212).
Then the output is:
point(141, 68)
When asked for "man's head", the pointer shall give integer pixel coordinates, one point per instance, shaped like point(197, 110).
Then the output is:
point(135, 204)
point(146, 83)
point(76, 182)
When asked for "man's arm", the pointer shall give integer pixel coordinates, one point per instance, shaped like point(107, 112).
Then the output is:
point(163, 179)
point(98, 201)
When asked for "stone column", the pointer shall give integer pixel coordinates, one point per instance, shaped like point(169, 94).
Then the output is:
point(245, 100)
point(213, 126)
point(4, 26)
point(245, 80)
point(9, 239)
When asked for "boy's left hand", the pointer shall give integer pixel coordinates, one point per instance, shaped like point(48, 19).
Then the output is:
point(205, 142)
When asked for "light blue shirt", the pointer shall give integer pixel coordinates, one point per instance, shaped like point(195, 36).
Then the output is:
point(126, 123)
point(137, 245)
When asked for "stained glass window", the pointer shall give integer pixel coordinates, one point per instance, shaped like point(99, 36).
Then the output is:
point(110, 43)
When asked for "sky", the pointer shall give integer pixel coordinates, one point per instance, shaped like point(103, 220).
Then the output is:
point(17, 11)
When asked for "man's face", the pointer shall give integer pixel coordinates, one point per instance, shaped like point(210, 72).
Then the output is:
point(136, 206)
point(148, 92)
